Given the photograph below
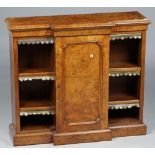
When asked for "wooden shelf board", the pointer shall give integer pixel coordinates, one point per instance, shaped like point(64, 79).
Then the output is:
point(36, 72)
point(123, 99)
point(124, 66)
point(119, 98)
point(132, 69)
point(124, 102)
point(34, 105)
point(126, 121)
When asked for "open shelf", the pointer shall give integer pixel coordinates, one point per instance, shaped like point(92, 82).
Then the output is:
point(32, 105)
point(37, 123)
point(124, 101)
point(123, 117)
point(125, 53)
point(37, 95)
point(123, 90)
point(124, 121)
point(36, 61)
point(122, 98)
point(124, 82)
point(35, 58)
point(36, 72)
point(123, 65)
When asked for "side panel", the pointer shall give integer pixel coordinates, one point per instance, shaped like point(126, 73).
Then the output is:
point(14, 83)
point(141, 83)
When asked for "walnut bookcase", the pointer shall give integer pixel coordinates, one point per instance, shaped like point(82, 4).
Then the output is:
point(77, 78)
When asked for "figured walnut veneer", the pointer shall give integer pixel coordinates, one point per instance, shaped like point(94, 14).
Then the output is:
point(77, 78)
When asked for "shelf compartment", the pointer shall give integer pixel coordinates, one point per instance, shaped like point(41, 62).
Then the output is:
point(124, 90)
point(126, 121)
point(122, 98)
point(125, 53)
point(123, 117)
point(37, 123)
point(36, 56)
point(32, 105)
point(37, 95)
point(37, 105)
point(124, 66)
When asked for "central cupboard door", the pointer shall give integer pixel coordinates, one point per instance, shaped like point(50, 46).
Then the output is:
point(81, 83)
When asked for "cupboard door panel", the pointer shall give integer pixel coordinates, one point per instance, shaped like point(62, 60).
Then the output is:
point(81, 100)
point(79, 80)
point(81, 60)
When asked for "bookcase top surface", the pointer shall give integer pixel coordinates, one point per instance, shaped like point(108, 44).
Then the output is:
point(76, 21)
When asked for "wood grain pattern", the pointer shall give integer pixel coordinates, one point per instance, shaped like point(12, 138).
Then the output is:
point(141, 82)
point(77, 21)
point(126, 121)
point(81, 137)
point(30, 138)
point(15, 84)
point(83, 70)
point(131, 130)
point(32, 105)
point(122, 99)
point(78, 67)
point(36, 72)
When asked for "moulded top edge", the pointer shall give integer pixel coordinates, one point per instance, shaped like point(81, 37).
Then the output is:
point(76, 21)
